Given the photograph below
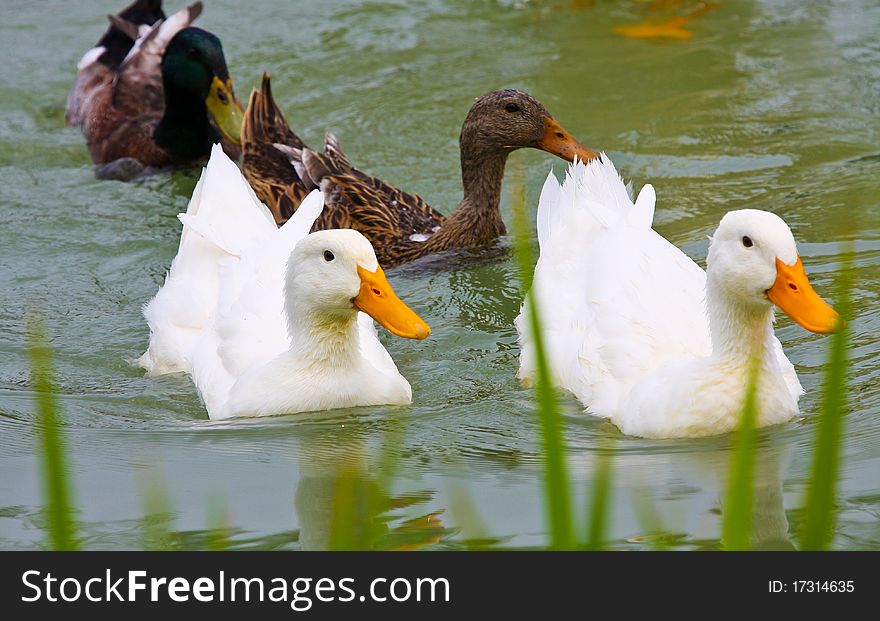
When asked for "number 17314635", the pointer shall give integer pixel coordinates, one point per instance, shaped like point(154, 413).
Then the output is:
point(811, 586)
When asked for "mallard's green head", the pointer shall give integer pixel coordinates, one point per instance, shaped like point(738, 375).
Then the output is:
point(194, 64)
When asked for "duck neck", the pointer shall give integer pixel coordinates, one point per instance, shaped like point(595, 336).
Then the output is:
point(323, 340)
point(739, 332)
point(184, 130)
point(477, 219)
point(481, 175)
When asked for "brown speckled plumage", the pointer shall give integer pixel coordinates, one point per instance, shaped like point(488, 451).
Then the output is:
point(401, 226)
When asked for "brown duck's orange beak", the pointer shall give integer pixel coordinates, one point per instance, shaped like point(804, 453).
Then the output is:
point(794, 295)
point(562, 144)
point(378, 300)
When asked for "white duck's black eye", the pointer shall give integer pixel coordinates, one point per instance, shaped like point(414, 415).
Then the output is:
point(511, 107)
point(747, 241)
point(328, 256)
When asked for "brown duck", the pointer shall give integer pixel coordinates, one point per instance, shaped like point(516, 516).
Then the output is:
point(401, 226)
point(154, 92)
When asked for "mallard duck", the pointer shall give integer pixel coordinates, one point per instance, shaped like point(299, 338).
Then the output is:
point(644, 337)
point(265, 319)
point(401, 226)
point(154, 93)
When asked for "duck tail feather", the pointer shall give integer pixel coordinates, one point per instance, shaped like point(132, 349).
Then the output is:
point(154, 40)
point(333, 150)
point(302, 220)
point(264, 123)
point(548, 209)
point(124, 29)
point(642, 213)
point(129, 29)
point(295, 156)
point(222, 208)
point(598, 190)
point(311, 167)
point(262, 114)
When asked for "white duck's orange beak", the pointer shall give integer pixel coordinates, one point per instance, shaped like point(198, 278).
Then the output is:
point(378, 300)
point(794, 295)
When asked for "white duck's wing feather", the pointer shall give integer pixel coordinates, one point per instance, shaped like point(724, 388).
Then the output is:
point(231, 217)
point(788, 372)
point(178, 313)
point(223, 216)
point(616, 300)
point(375, 353)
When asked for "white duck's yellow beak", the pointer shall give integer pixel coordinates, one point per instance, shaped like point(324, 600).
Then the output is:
point(794, 295)
point(378, 300)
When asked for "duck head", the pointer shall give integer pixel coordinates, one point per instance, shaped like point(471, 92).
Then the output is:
point(753, 261)
point(194, 66)
point(509, 119)
point(334, 274)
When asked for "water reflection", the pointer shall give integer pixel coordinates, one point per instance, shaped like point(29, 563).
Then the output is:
point(770, 105)
point(344, 501)
point(687, 492)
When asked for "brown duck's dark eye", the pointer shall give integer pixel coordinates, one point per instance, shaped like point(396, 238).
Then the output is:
point(328, 256)
point(512, 107)
point(747, 241)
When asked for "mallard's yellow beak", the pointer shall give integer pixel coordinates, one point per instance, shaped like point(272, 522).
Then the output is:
point(378, 300)
point(225, 109)
point(793, 294)
point(562, 144)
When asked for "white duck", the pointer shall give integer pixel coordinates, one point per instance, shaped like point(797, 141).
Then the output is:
point(265, 319)
point(640, 334)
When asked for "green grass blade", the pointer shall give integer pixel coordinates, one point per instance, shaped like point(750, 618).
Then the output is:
point(649, 518)
point(361, 493)
point(156, 531)
point(53, 455)
point(556, 485)
point(818, 530)
point(354, 511)
point(736, 526)
point(219, 532)
point(600, 503)
point(464, 510)
point(392, 439)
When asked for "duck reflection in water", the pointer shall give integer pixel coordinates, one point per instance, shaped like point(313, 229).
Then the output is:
point(342, 501)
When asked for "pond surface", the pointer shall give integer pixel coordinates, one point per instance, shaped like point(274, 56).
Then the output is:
point(773, 105)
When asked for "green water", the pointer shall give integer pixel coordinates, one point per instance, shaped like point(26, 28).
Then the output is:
point(772, 105)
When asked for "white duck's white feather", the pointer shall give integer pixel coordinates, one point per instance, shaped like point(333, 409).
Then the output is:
point(221, 314)
point(624, 314)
